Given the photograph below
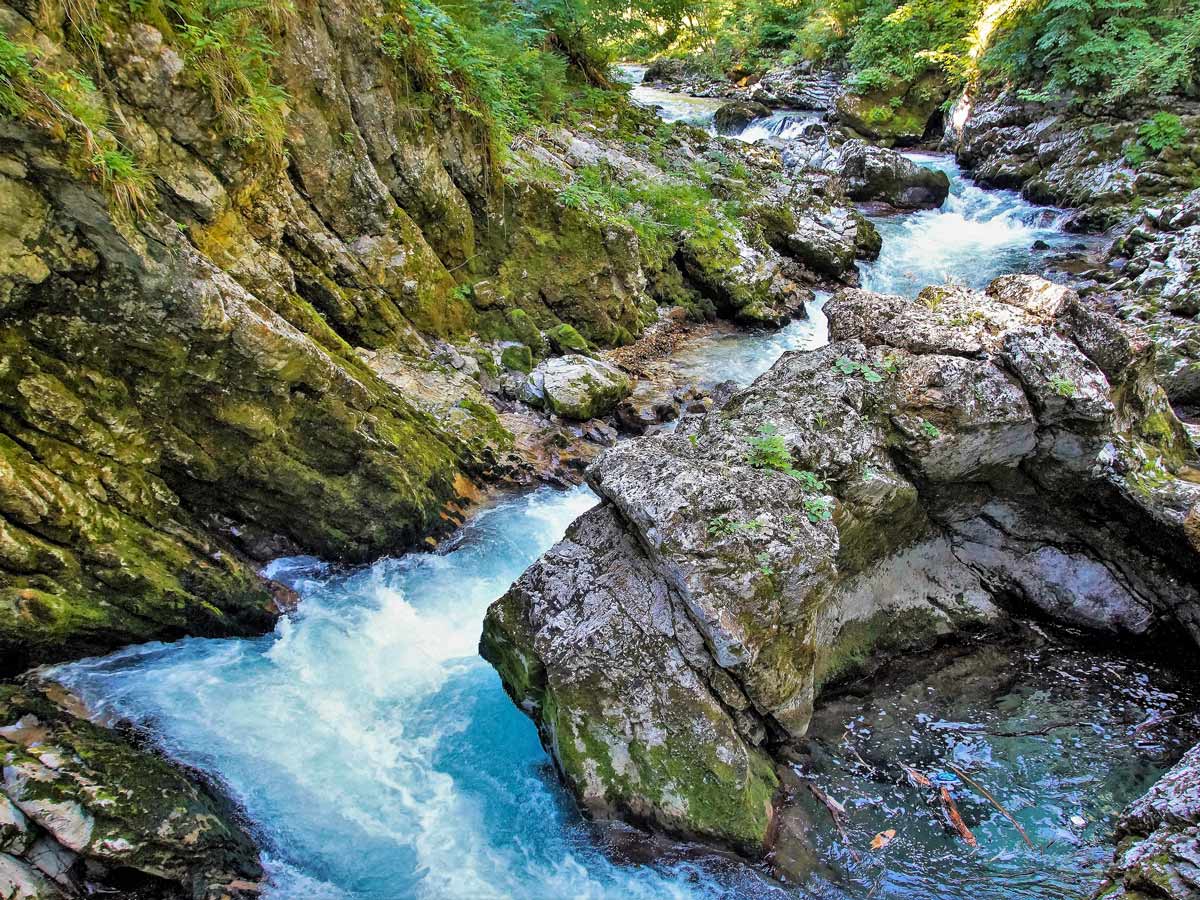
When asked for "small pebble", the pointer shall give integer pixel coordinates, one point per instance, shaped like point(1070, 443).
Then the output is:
point(1078, 821)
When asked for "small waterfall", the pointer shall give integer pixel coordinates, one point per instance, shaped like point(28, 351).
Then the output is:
point(781, 125)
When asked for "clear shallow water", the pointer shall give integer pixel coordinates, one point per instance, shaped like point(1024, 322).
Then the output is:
point(742, 356)
point(1049, 730)
point(378, 758)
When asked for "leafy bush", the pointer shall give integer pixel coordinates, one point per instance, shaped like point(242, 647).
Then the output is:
point(1117, 48)
point(1161, 131)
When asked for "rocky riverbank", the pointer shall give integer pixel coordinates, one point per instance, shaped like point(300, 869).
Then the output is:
point(941, 465)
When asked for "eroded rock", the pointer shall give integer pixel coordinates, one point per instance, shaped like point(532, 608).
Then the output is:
point(79, 803)
point(938, 461)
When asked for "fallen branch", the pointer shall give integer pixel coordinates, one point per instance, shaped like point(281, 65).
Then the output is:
point(996, 803)
point(955, 819)
point(1155, 719)
point(837, 812)
point(915, 778)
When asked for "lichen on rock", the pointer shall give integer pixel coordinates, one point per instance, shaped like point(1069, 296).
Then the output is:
point(934, 464)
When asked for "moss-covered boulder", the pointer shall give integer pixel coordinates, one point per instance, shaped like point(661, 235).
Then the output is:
point(940, 460)
point(670, 754)
point(82, 809)
point(897, 116)
point(577, 387)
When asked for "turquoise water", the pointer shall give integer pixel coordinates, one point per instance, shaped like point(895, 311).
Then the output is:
point(375, 753)
point(378, 758)
point(976, 236)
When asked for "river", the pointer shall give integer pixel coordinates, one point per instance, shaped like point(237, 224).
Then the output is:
point(377, 757)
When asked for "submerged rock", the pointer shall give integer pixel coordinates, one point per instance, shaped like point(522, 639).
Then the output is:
point(940, 460)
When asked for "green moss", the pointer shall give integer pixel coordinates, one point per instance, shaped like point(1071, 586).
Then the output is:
point(519, 358)
point(565, 339)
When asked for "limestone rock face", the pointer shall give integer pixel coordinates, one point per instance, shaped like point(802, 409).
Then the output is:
point(78, 802)
point(1153, 278)
point(1070, 159)
point(1158, 839)
point(939, 460)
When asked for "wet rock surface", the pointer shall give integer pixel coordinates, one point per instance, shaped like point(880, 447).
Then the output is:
point(1158, 839)
point(940, 462)
point(82, 810)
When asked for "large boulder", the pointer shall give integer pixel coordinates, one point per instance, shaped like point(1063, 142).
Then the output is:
point(734, 116)
point(941, 460)
point(885, 176)
point(576, 387)
point(81, 806)
point(897, 116)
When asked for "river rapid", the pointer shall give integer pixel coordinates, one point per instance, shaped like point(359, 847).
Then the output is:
point(377, 757)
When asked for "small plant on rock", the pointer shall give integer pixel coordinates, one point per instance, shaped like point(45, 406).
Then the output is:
point(847, 366)
point(1064, 387)
point(769, 450)
point(764, 563)
point(929, 430)
point(722, 526)
point(818, 509)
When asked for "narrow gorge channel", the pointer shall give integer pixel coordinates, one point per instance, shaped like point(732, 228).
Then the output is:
point(377, 756)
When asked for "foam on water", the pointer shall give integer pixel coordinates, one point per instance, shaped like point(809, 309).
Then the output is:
point(376, 754)
point(976, 236)
point(782, 125)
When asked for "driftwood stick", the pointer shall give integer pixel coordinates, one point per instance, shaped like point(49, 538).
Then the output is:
point(955, 819)
point(837, 813)
point(996, 803)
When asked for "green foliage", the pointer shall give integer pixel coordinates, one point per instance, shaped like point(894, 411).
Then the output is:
point(723, 526)
point(68, 105)
point(847, 366)
point(818, 509)
point(1161, 131)
point(1064, 387)
point(488, 59)
point(929, 430)
point(897, 43)
point(1117, 48)
point(769, 451)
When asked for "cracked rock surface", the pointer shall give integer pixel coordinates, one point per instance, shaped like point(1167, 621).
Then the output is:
point(941, 463)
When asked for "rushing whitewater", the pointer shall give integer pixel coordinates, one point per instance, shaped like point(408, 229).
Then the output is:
point(376, 756)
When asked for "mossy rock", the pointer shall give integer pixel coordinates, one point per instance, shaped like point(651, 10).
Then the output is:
point(896, 116)
point(565, 339)
point(517, 357)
